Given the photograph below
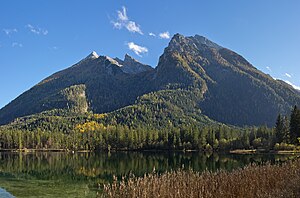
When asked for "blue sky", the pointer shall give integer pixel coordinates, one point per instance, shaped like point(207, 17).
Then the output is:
point(38, 38)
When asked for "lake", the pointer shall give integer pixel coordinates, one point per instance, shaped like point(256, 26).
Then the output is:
point(54, 174)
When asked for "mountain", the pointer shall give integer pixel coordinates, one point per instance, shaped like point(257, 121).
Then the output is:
point(96, 83)
point(235, 92)
point(196, 80)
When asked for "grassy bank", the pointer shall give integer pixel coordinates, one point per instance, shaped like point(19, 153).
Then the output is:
point(251, 181)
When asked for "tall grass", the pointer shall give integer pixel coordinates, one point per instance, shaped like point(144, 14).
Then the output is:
point(249, 182)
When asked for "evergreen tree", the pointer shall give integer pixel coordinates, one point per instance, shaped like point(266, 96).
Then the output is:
point(279, 129)
point(286, 129)
point(295, 125)
point(245, 140)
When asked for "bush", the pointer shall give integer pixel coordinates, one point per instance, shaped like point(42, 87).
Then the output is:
point(284, 147)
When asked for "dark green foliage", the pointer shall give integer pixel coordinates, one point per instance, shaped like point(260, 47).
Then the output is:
point(279, 129)
point(84, 133)
point(288, 131)
point(163, 109)
point(295, 125)
point(234, 92)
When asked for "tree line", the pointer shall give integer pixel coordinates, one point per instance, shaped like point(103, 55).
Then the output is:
point(91, 134)
point(287, 129)
point(95, 136)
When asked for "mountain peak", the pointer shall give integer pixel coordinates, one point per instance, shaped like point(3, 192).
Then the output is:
point(113, 61)
point(177, 38)
point(203, 40)
point(131, 65)
point(128, 58)
point(178, 41)
point(93, 55)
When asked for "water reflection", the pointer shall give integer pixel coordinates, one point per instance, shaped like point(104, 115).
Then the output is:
point(87, 171)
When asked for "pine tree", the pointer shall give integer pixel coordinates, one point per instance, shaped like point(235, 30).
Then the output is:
point(286, 129)
point(279, 129)
point(245, 140)
point(295, 125)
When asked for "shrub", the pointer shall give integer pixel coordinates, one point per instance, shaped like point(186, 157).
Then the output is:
point(284, 147)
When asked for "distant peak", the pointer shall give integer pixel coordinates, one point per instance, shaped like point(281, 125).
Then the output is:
point(177, 35)
point(178, 41)
point(131, 65)
point(207, 42)
point(177, 38)
point(129, 58)
point(93, 55)
point(113, 61)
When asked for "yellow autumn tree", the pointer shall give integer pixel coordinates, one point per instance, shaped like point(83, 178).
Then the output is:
point(91, 126)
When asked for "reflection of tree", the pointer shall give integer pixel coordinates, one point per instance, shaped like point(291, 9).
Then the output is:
point(100, 167)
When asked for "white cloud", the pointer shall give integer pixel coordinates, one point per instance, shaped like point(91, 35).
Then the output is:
point(117, 25)
point(10, 31)
point(15, 44)
point(37, 30)
point(164, 35)
point(124, 22)
point(152, 34)
point(133, 27)
point(269, 68)
point(122, 15)
point(138, 50)
point(288, 75)
point(294, 86)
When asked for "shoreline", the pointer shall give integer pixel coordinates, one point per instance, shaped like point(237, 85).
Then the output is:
point(43, 150)
point(237, 151)
point(259, 151)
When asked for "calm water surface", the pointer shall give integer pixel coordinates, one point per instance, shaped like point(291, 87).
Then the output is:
point(82, 174)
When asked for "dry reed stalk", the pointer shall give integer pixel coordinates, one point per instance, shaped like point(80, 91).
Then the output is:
point(248, 182)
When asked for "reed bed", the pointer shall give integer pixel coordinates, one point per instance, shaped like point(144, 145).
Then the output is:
point(252, 181)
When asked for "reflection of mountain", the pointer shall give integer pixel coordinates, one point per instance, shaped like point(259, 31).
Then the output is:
point(81, 166)
point(80, 174)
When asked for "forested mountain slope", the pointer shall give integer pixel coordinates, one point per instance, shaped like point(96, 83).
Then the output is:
point(99, 83)
point(195, 81)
